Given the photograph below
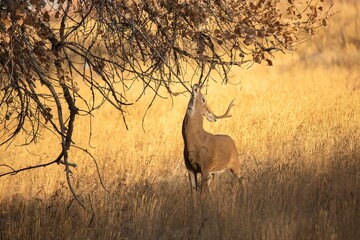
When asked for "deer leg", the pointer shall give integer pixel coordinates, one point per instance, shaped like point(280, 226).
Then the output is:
point(193, 180)
point(238, 173)
point(204, 183)
point(236, 168)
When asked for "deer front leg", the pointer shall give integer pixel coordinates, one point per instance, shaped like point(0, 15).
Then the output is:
point(192, 169)
point(204, 183)
point(193, 164)
point(193, 180)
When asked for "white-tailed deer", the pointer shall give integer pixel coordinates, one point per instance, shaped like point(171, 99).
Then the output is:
point(206, 153)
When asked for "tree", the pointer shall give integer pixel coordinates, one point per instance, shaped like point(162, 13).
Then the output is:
point(48, 46)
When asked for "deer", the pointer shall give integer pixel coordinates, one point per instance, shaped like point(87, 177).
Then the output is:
point(204, 152)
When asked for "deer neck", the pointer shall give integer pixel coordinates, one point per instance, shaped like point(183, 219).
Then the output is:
point(193, 129)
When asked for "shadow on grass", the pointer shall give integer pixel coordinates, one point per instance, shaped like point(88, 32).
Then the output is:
point(278, 201)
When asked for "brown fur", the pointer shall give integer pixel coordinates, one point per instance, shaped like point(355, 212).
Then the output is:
point(204, 152)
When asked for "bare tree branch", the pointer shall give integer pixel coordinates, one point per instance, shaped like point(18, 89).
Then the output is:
point(63, 59)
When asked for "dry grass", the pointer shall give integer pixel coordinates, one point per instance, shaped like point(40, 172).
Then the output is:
point(296, 126)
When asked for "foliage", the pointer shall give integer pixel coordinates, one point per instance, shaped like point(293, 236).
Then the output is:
point(54, 52)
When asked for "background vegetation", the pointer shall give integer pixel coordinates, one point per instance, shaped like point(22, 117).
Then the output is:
point(296, 126)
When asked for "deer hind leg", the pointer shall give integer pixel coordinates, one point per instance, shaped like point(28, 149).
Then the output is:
point(236, 169)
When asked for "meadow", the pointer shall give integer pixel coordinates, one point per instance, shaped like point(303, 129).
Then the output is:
point(296, 126)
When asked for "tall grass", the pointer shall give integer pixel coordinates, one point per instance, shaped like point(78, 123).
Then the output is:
point(296, 126)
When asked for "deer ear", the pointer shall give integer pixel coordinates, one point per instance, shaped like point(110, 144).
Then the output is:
point(209, 116)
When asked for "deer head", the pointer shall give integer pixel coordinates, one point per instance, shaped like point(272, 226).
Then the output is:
point(198, 105)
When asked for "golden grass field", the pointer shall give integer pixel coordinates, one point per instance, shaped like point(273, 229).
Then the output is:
point(296, 126)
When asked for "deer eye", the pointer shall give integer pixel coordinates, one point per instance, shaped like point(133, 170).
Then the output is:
point(203, 99)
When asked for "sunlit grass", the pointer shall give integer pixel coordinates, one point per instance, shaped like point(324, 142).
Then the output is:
point(296, 126)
